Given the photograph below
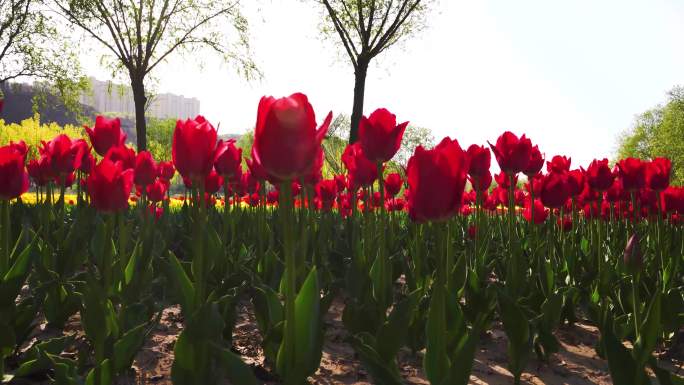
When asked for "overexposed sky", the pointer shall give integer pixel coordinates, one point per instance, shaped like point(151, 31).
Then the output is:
point(569, 74)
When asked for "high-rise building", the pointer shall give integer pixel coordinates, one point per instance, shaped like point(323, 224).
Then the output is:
point(108, 97)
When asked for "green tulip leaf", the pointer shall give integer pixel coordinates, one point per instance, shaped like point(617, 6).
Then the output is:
point(436, 360)
point(182, 283)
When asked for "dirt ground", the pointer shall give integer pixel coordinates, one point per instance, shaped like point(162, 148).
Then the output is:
point(576, 363)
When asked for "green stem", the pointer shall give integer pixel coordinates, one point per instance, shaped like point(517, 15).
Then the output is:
point(599, 237)
point(286, 208)
point(635, 303)
point(201, 230)
point(5, 255)
point(659, 240)
point(382, 290)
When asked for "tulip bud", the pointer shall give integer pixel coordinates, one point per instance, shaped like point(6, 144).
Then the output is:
point(633, 258)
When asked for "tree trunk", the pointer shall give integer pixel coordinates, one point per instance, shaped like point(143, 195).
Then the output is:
point(140, 100)
point(357, 107)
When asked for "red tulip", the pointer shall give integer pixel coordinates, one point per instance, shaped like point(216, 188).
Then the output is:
point(315, 173)
point(156, 192)
point(503, 180)
point(633, 173)
point(145, 169)
point(362, 171)
point(40, 170)
point(249, 183)
point(540, 212)
point(469, 197)
point(296, 188)
point(341, 181)
point(599, 176)
point(576, 182)
point(472, 231)
point(109, 186)
point(512, 154)
point(519, 197)
point(535, 164)
point(673, 199)
point(554, 190)
point(87, 163)
point(157, 212)
point(376, 201)
point(253, 199)
point(228, 159)
point(193, 147)
point(213, 182)
point(565, 223)
point(395, 204)
point(106, 133)
point(272, 197)
point(616, 192)
point(326, 191)
point(14, 179)
point(286, 141)
point(658, 173)
point(64, 154)
point(534, 182)
point(393, 183)
point(123, 154)
point(480, 159)
point(67, 180)
point(257, 170)
point(436, 180)
point(165, 170)
point(345, 205)
point(482, 182)
point(502, 195)
point(380, 136)
point(560, 164)
point(490, 202)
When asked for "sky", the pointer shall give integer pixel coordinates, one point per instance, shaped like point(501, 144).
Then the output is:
point(570, 74)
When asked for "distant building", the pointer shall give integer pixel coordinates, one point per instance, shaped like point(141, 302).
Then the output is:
point(117, 99)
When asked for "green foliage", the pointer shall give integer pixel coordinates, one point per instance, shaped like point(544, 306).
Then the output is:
point(658, 132)
point(33, 132)
point(160, 138)
point(414, 136)
point(31, 46)
point(334, 144)
point(245, 143)
point(138, 36)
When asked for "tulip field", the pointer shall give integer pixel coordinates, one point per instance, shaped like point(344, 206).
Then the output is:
point(424, 262)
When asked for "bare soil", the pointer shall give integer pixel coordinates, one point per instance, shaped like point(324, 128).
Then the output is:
point(576, 363)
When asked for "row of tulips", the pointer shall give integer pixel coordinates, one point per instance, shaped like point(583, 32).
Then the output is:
point(420, 262)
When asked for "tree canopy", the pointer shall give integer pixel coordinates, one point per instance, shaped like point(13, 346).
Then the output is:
point(366, 28)
point(658, 132)
point(140, 35)
point(32, 46)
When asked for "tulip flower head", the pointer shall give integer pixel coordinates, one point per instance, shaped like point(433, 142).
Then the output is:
point(599, 175)
point(512, 153)
point(436, 180)
point(109, 186)
point(658, 173)
point(380, 135)
point(14, 179)
point(362, 171)
point(286, 141)
point(106, 133)
point(194, 142)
